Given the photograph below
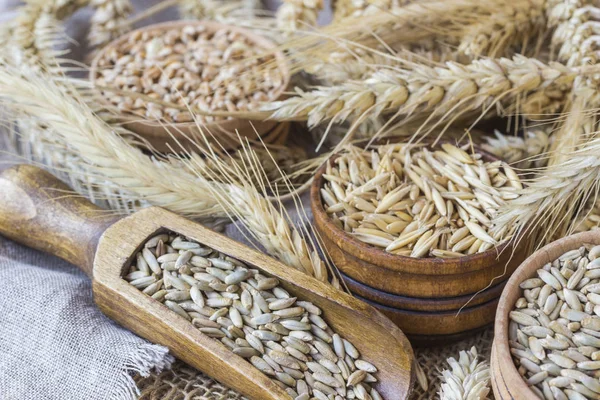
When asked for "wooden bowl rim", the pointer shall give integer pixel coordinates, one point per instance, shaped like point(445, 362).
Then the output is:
point(495, 291)
point(228, 124)
point(441, 313)
point(394, 262)
point(511, 293)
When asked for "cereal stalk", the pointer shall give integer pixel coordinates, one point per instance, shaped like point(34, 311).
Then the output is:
point(466, 379)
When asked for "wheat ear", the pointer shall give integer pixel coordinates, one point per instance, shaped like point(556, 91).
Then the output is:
point(108, 21)
point(521, 152)
point(108, 156)
point(518, 23)
point(37, 30)
point(442, 20)
point(442, 92)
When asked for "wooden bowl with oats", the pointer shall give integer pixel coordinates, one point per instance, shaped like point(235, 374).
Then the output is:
point(155, 75)
point(422, 295)
point(507, 382)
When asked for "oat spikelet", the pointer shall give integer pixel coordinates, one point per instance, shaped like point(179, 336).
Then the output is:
point(466, 379)
point(516, 24)
point(442, 93)
point(106, 155)
point(109, 20)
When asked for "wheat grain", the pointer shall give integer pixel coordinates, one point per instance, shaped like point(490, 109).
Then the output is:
point(192, 67)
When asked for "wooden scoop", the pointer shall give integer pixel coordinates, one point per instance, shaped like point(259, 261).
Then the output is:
point(37, 210)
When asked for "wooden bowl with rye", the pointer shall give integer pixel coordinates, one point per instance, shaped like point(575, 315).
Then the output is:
point(507, 382)
point(422, 295)
point(175, 78)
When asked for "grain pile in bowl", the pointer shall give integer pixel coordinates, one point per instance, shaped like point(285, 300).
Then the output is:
point(191, 65)
point(284, 337)
point(417, 202)
point(554, 333)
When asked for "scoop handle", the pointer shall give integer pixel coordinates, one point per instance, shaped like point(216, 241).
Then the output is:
point(40, 211)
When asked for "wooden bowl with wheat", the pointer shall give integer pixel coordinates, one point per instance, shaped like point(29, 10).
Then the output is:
point(180, 129)
point(507, 383)
point(421, 295)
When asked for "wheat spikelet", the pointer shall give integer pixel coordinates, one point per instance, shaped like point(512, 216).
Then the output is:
point(576, 23)
point(520, 152)
point(294, 15)
point(37, 32)
point(517, 23)
point(575, 26)
point(108, 21)
point(441, 92)
point(357, 8)
point(116, 164)
point(466, 379)
point(219, 10)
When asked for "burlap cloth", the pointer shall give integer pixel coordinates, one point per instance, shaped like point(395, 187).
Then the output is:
point(184, 382)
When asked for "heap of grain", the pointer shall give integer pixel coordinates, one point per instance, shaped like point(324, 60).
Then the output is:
point(282, 336)
point(554, 333)
point(416, 202)
point(189, 66)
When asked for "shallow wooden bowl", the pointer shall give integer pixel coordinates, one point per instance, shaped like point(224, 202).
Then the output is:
point(506, 381)
point(407, 276)
point(226, 131)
